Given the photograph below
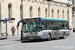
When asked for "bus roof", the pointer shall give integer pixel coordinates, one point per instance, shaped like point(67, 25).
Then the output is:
point(53, 19)
point(48, 18)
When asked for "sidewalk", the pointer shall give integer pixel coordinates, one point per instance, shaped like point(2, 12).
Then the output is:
point(10, 40)
point(72, 34)
point(10, 36)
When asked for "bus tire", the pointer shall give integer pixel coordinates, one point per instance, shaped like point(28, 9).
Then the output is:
point(64, 36)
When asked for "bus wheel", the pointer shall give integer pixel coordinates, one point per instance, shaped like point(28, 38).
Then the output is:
point(64, 36)
point(49, 38)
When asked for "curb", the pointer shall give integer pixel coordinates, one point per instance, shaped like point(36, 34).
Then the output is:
point(9, 43)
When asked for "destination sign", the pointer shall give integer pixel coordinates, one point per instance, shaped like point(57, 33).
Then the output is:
point(32, 19)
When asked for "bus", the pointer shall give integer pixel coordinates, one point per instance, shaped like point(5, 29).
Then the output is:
point(44, 28)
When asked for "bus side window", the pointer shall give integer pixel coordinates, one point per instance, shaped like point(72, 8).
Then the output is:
point(56, 25)
point(51, 26)
point(62, 25)
point(65, 25)
point(43, 25)
point(47, 25)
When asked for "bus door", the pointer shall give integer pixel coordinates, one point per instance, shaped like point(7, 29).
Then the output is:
point(55, 32)
point(55, 28)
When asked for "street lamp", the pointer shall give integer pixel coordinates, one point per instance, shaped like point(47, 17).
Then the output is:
point(68, 5)
point(48, 8)
point(22, 18)
point(22, 9)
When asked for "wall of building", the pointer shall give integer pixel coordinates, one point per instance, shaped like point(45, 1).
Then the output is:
point(63, 1)
point(73, 13)
point(35, 5)
point(0, 10)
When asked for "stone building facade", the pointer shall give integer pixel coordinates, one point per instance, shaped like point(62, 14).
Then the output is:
point(73, 13)
point(33, 8)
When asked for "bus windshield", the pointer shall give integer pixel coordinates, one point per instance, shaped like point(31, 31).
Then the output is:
point(30, 25)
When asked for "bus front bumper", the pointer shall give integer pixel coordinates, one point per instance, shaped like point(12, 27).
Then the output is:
point(31, 37)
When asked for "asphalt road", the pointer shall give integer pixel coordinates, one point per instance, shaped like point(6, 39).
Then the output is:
point(55, 44)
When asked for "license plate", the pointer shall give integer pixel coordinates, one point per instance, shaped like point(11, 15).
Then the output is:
point(31, 38)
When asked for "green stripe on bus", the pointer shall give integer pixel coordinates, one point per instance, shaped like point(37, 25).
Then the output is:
point(53, 19)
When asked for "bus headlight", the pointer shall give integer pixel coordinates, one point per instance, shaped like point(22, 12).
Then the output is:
point(23, 34)
point(39, 34)
point(34, 33)
point(27, 34)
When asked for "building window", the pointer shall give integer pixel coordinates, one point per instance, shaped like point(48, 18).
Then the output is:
point(52, 13)
point(0, 10)
point(48, 0)
point(63, 14)
point(46, 12)
point(57, 13)
point(43, 1)
point(39, 12)
point(72, 11)
point(30, 11)
point(73, 2)
point(21, 12)
point(10, 10)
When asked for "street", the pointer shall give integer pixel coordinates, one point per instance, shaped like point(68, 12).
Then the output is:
point(54, 44)
point(25, 20)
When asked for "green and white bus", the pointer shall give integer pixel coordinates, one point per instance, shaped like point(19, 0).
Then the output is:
point(44, 28)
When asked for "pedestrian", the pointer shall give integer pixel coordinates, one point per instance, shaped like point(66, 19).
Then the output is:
point(70, 28)
point(13, 30)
